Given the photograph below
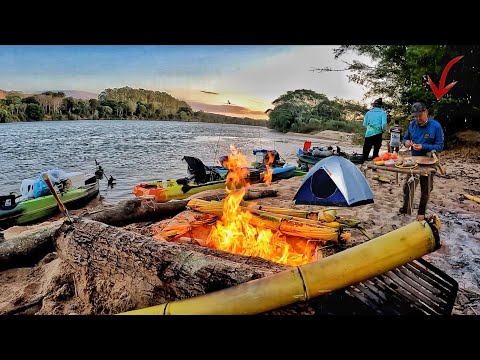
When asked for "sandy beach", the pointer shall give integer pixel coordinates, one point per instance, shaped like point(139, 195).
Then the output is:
point(459, 255)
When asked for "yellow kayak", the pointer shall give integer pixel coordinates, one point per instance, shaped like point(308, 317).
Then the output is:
point(154, 190)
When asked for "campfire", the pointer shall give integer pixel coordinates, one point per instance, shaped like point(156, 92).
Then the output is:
point(285, 236)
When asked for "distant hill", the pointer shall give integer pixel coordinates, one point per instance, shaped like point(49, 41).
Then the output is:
point(5, 93)
point(77, 94)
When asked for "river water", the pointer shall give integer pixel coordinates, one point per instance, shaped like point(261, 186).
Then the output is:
point(130, 151)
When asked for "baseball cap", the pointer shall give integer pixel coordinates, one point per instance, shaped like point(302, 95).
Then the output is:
point(418, 108)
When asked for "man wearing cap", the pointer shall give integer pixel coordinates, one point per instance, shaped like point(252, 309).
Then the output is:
point(423, 136)
point(375, 121)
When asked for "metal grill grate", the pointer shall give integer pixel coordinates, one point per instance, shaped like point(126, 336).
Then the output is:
point(416, 288)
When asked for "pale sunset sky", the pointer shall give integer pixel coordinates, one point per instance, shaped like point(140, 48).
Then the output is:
point(235, 80)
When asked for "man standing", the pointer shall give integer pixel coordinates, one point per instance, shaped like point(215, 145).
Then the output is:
point(375, 122)
point(423, 135)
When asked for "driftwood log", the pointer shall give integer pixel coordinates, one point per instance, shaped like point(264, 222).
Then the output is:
point(29, 249)
point(117, 270)
point(135, 210)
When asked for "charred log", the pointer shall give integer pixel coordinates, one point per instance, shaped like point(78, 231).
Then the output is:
point(131, 211)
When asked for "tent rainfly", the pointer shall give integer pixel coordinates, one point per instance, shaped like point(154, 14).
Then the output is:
point(334, 181)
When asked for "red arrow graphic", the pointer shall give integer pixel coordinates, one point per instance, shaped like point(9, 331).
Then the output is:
point(442, 89)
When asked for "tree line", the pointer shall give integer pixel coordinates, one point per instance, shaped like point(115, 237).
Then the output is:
point(117, 103)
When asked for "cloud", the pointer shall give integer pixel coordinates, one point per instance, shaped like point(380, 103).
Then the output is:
point(209, 92)
point(272, 76)
point(230, 110)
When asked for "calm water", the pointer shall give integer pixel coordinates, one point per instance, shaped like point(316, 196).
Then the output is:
point(130, 151)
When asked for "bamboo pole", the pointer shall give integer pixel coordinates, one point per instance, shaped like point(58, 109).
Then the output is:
point(423, 172)
point(305, 282)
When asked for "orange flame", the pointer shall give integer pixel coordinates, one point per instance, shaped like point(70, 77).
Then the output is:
point(234, 234)
point(267, 179)
point(238, 172)
point(271, 158)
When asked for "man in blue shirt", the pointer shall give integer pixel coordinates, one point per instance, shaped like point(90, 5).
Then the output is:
point(423, 136)
point(375, 121)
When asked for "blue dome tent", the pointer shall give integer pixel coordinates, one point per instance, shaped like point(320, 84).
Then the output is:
point(334, 181)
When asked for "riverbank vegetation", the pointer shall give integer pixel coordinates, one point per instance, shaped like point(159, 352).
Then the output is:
point(112, 104)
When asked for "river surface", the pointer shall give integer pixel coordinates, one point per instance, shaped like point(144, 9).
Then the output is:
point(130, 151)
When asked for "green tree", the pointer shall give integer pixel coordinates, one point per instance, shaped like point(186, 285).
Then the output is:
point(30, 100)
point(186, 109)
point(141, 110)
point(3, 114)
point(300, 97)
point(13, 100)
point(69, 105)
point(106, 111)
point(302, 111)
point(282, 117)
point(34, 112)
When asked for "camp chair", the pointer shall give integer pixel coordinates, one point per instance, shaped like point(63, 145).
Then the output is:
point(416, 288)
point(199, 171)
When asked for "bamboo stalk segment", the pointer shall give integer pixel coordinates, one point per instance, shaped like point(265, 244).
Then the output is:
point(289, 225)
point(282, 211)
point(324, 215)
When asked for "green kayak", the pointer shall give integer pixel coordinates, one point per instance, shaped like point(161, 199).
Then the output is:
point(31, 210)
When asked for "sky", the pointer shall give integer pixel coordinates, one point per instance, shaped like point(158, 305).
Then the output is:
point(236, 80)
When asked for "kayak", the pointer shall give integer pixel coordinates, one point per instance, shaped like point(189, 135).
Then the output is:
point(284, 172)
point(272, 157)
point(299, 172)
point(184, 187)
point(313, 155)
point(31, 210)
point(156, 191)
point(311, 158)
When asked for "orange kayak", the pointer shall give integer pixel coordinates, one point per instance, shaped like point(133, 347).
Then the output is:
point(155, 191)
